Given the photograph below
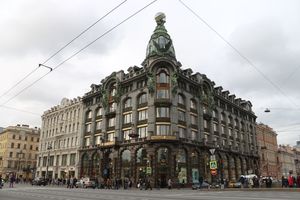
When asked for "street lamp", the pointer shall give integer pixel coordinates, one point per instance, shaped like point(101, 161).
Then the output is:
point(48, 160)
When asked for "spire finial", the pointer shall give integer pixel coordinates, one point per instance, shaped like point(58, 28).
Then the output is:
point(160, 18)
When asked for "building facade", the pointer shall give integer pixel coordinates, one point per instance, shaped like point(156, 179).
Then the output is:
point(18, 151)
point(58, 157)
point(286, 156)
point(161, 122)
point(267, 143)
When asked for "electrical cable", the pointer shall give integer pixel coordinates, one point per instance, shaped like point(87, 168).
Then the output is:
point(239, 53)
point(63, 47)
point(86, 46)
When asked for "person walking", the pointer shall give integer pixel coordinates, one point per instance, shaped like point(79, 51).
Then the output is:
point(11, 180)
point(169, 184)
point(1, 184)
point(291, 181)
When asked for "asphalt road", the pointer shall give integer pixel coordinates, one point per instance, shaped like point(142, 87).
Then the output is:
point(54, 193)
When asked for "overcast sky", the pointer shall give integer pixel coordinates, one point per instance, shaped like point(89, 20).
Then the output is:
point(266, 32)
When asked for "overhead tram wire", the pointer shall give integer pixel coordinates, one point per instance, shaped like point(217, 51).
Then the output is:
point(20, 110)
point(84, 31)
point(16, 84)
point(86, 46)
point(239, 53)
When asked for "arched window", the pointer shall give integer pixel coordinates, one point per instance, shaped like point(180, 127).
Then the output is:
point(112, 90)
point(162, 155)
point(142, 163)
point(141, 156)
point(99, 112)
point(193, 104)
point(195, 166)
point(181, 99)
point(126, 160)
point(142, 99)
point(85, 165)
point(96, 165)
point(162, 77)
point(88, 114)
point(128, 103)
point(162, 85)
point(181, 166)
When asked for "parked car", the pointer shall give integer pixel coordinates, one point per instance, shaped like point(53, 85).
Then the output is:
point(39, 182)
point(196, 185)
point(233, 184)
point(85, 183)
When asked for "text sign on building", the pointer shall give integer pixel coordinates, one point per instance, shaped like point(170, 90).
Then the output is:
point(213, 164)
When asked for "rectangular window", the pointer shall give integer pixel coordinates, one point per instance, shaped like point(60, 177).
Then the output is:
point(110, 137)
point(126, 134)
point(111, 122)
point(112, 107)
point(87, 141)
point(194, 119)
point(98, 125)
point(10, 154)
point(88, 128)
point(223, 129)
point(162, 129)
point(44, 161)
point(51, 161)
point(194, 135)
point(143, 132)
point(127, 118)
point(57, 161)
point(162, 94)
point(64, 160)
point(182, 132)
point(143, 114)
point(230, 132)
point(72, 158)
point(181, 115)
point(163, 112)
point(215, 126)
point(98, 139)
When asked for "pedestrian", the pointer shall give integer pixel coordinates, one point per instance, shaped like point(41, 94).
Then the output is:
point(1, 184)
point(11, 180)
point(291, 181)
point(169, 184)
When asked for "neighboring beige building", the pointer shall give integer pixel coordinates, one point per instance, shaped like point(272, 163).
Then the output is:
point(297, 157)
point(59, 142)
point(287, 159)
point(267, 142)
point(18, 151)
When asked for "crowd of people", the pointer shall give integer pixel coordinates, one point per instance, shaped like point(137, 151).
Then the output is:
point(290, 181)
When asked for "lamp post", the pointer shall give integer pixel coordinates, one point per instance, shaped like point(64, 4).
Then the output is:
point(48, 160)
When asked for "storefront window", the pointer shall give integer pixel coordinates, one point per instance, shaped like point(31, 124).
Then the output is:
point(181, 167)
point(96, 165)
point(126, 160)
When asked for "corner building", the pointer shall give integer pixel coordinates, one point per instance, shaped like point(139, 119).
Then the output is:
point(159, 121)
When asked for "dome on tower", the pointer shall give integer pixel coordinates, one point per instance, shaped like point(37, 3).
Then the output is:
point(160, 43)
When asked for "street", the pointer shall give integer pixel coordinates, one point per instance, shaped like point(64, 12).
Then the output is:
point(55, 193)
